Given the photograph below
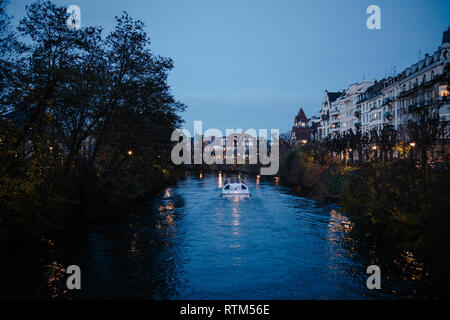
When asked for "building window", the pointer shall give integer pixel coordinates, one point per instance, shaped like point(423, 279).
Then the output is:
point(444, 90)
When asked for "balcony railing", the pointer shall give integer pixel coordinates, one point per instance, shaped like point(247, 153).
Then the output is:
point(335, 126)
point(387, 101)
point(334, 111)
point(415, 106)
point(389, 115)
point(427, 83)
point(405, 93)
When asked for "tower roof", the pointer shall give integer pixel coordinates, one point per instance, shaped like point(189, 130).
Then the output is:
point(301, 116)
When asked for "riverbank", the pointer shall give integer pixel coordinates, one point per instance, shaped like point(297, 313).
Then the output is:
point(396, 204)
point(50, 216)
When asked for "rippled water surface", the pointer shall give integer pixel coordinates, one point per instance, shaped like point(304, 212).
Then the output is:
point(192, 243)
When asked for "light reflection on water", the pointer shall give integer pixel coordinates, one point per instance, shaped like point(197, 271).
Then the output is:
point(55, 274)
point(192, 243)
point(220, 179)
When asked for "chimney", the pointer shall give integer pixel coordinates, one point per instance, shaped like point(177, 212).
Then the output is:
point(446, 36)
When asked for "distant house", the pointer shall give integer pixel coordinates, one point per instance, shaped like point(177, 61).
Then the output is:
point(301, 132)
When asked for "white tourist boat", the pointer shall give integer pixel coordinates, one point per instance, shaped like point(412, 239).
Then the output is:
point(235, 187)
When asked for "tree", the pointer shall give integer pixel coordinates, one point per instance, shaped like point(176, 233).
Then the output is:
point(443, 134)
point(388, 139)
point(375, 142)
point(423, 132)
point(84, 118)
point(354, 140)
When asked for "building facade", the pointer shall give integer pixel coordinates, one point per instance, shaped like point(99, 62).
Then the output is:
point(391, 101)
point(301, 131)
point(325, 113)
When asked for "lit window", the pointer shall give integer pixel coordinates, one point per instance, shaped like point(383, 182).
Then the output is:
point(443, 90)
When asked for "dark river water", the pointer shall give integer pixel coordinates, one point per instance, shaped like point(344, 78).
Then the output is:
point(192, 243)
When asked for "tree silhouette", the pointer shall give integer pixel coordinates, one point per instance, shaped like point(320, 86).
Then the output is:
point(423, 131)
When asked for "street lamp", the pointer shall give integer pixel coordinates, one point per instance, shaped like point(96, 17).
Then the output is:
point(130, 152)
point(411, 152)
point(374, 148)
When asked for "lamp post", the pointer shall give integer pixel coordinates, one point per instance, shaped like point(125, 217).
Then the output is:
point(411, 150)
point(374, 148)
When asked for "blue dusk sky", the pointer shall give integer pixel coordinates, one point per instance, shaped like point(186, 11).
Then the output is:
point(254, 63)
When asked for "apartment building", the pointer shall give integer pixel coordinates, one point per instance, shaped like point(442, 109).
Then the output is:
point(349, 111)
point(392, 101)
point(325, 123)
point(339, 109)
point(370, 108)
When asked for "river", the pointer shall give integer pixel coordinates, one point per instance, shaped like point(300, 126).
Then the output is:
point(192, 243)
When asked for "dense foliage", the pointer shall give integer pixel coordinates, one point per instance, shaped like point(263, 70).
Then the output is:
point(85, 119)
point(399, 200)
